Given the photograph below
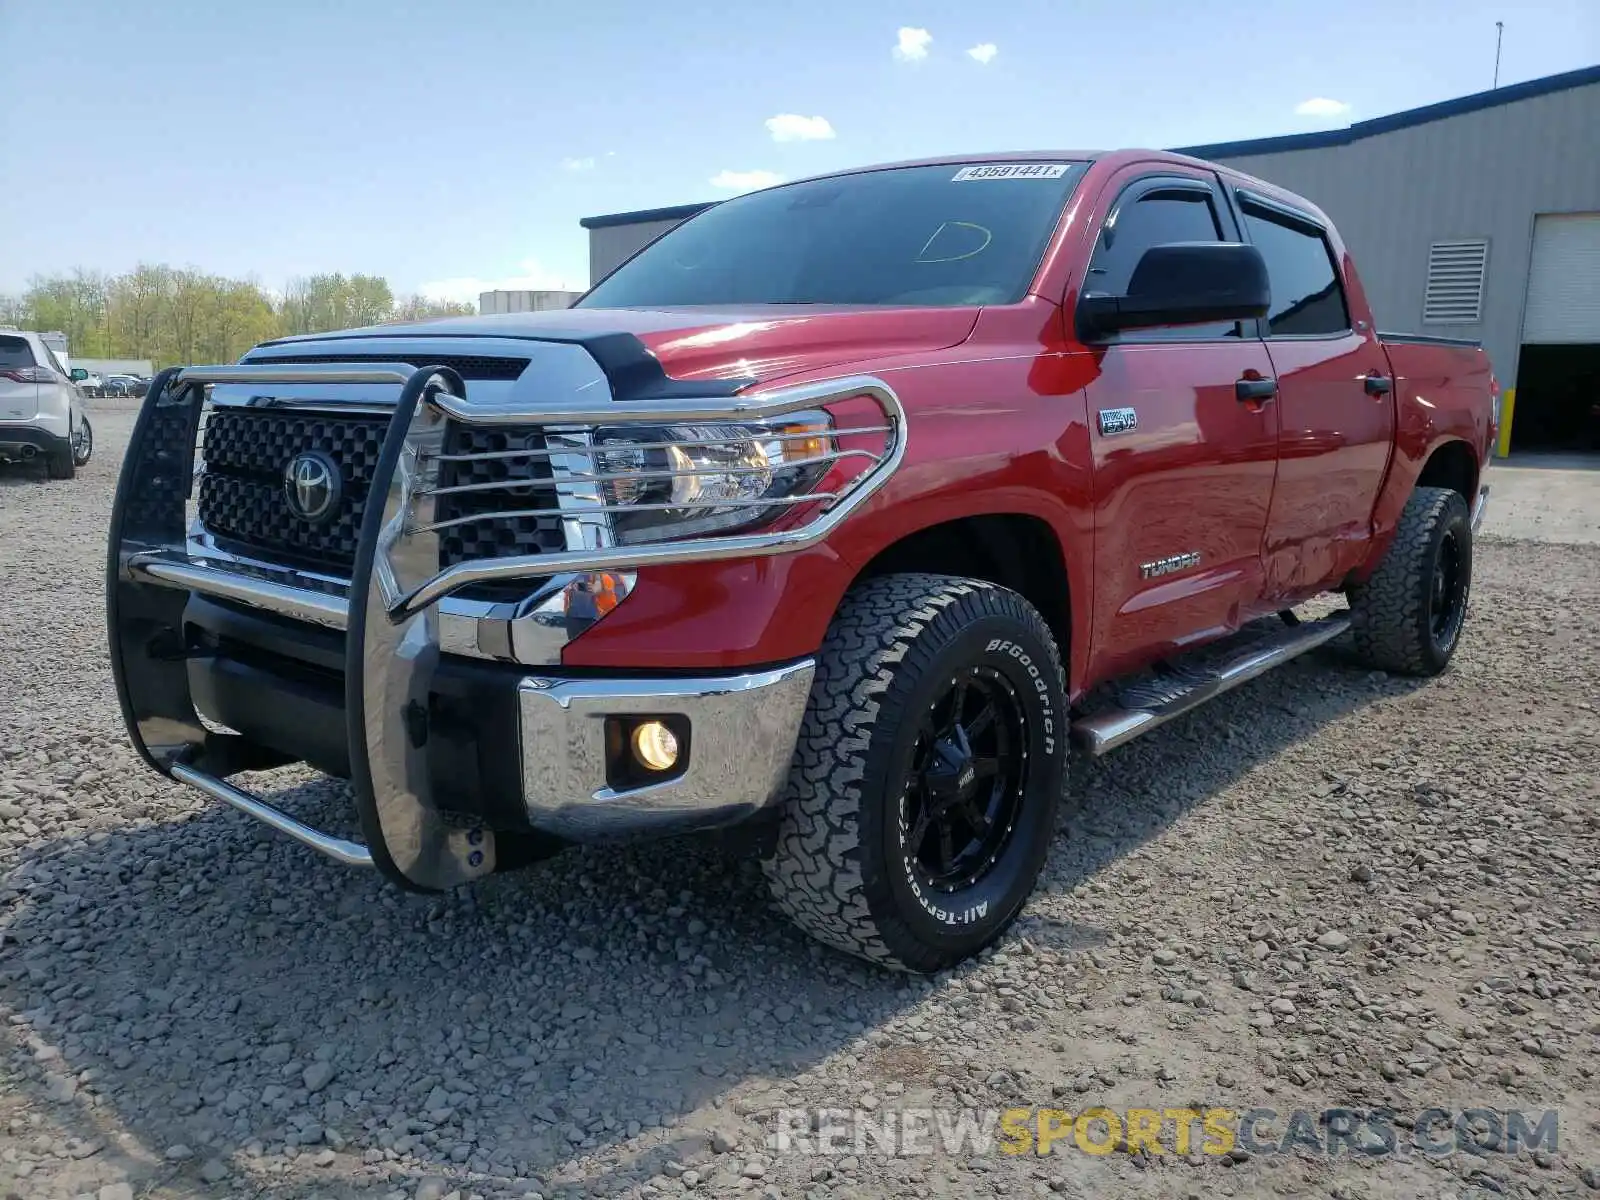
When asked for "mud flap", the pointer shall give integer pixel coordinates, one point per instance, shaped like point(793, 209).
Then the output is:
point(389, 663)
point(144, 621)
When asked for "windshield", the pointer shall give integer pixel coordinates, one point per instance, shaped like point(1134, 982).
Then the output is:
point(945, 235)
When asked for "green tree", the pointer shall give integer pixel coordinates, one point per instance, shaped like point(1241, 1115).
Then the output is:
point(420, 308)
point(320, 303)
point(184, 315)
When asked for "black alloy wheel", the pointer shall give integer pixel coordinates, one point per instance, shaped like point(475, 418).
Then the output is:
point(968, 777)
point(927, 775)
point(1447, 595)
point(1408, 615)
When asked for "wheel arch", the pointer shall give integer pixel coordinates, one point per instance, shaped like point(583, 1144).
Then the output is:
point(1451, 464)
point(1017, 550)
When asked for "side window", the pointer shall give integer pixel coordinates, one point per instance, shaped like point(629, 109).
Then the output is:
point(1149, 217)
point(1307, 297)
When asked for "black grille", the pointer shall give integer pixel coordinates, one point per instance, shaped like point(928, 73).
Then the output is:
point(497, 537)
point(242, 497)
point(158, 502)
point(468, 366)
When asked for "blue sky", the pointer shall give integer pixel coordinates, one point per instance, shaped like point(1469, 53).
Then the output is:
point(450, 144)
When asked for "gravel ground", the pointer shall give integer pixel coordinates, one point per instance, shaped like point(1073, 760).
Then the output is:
point(1327, 888)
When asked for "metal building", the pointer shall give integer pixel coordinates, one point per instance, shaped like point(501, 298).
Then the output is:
point(616, 237)
point(513, 302)
point(1478, 217)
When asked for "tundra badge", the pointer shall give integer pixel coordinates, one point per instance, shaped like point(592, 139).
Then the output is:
point(1118, 420)
point(1167, 566)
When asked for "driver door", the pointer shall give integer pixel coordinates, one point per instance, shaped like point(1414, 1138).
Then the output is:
point(1184, 433)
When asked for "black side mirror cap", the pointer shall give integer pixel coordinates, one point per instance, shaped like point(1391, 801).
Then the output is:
point(1182, 283)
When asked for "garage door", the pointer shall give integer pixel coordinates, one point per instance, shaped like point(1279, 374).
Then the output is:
point(1564, 280)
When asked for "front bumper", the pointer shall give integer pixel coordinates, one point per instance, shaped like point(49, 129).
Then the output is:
point(376, 680)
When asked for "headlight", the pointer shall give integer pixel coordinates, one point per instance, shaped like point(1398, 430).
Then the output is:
point(677, 480)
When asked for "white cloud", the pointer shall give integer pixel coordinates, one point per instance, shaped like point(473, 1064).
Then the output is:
point(534, 277)
point(791, 127)
point(1321, 106)
point(984, 52)
point(913, 44)
point(744, 181)
point(578, 164)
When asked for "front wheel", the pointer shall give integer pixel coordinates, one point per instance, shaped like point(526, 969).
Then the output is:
point(1407, 617)
point(82, 443)
point(923, 794)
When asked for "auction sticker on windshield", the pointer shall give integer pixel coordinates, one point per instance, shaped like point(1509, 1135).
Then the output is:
point(1010, 171)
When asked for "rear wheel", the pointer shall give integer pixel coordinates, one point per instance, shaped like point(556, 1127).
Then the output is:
point(924, 790)
point(60, 464)
point(1407, 617)
point(82, 443)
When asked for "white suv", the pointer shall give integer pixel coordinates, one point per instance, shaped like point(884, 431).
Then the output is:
point(41, 414)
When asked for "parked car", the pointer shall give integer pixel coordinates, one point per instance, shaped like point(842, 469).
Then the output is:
point(89, 383)
point(40, 416)
point(844, 508)
point(125, 385)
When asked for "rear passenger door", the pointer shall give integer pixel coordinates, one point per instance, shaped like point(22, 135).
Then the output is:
point(1335, 400)
point(1183, 457)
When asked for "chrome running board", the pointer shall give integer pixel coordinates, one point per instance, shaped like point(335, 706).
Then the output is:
point(1150, 703)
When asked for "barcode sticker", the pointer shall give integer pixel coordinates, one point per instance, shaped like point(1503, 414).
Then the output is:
point(1010, 171)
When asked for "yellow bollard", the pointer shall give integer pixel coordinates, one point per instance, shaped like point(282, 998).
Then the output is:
point(1508, 403)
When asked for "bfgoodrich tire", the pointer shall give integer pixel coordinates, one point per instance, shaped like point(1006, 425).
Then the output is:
point(1407, 617)
point(923, 794)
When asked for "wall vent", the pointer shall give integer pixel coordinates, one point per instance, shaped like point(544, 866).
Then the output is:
point(1455, 282)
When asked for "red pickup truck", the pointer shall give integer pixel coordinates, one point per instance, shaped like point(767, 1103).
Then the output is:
point(850, 505)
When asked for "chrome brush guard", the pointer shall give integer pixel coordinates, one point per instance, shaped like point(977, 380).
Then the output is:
point(392, 607)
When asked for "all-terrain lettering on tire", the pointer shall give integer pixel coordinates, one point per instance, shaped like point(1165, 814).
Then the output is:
point(922, 798)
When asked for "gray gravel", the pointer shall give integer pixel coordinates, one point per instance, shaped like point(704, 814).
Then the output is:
point(1330, 887)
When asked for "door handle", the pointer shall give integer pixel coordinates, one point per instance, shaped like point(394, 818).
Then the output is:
point(1378, 385)
point(1260, 390)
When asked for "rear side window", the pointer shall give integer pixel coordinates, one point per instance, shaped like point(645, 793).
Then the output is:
point(1307, 297)
point(1153, 217)
point(15, 352)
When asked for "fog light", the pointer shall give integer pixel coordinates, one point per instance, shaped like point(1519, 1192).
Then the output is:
point(654, 745)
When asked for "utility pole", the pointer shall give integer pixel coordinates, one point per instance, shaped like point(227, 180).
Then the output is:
point(1499, 32)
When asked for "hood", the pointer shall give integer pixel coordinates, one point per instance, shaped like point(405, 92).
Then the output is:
point(743, 342)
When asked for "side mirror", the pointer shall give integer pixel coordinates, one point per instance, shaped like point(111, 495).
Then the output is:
point(79, 374)
point(1182, 283)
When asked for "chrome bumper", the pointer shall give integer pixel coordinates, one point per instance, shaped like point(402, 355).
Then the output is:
point(1479, 507)
point(742, 731)
point(742, 737)
point(400, 615)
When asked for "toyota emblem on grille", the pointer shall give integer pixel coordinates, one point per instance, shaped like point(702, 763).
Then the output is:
point(312, 485)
